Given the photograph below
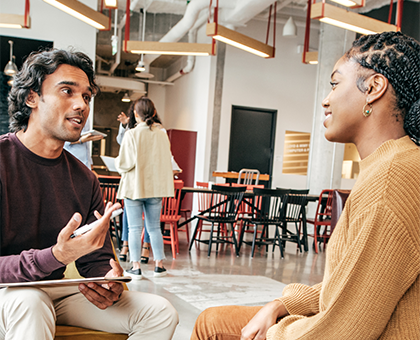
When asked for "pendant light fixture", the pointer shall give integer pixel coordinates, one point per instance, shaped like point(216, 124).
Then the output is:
point(349, 20)
point(111, 4)
point(11, 68)
point(16, 20)
point(140, 65)
point(290, 29)
point(126, 98)
point(82, 12)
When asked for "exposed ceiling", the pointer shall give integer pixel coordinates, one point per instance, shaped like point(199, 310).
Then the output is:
point(163, 15)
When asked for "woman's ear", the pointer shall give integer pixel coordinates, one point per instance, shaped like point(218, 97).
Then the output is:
point(32, 100)
point(377, 85)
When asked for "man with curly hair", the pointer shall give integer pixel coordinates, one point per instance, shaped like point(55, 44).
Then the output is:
point(45, 194)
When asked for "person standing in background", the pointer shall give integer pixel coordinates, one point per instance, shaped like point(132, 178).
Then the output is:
point(144, 163)
point(125, 125)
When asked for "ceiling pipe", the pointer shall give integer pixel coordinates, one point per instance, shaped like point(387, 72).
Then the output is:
point(244, 11)
point(192, 38)
point(182, 27)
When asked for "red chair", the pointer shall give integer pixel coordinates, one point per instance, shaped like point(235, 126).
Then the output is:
point(170, 215)
point(322, 218)
point(109, 186)
point(204, 203)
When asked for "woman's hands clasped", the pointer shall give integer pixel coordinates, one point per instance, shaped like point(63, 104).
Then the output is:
point(267, 316)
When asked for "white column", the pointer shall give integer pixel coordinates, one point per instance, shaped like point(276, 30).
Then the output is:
point(326, 158)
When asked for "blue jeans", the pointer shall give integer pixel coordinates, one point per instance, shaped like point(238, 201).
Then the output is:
point(151, 208)
point(124, 234)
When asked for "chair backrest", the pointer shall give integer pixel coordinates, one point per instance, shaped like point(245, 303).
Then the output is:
point(272, 202)
point(246, 176)
point(296, 203)
point(225, 202)
point(170, 205)
point(204, 199)
point(109, 185)
point(324, 207)
point(247, 209)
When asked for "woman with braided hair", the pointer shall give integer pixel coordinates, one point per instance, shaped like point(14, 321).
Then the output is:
point(144, 163)
point(371, 284)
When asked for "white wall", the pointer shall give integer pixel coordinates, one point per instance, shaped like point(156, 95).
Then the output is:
point(186, 107)
point(283, 83)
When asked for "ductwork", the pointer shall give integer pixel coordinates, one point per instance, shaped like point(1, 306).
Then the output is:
point(243, 11)
point(239, 15)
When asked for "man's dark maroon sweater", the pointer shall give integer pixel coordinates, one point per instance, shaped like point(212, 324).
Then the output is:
point(38, 197)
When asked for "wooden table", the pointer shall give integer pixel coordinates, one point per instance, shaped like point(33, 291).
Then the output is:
point(235, 175)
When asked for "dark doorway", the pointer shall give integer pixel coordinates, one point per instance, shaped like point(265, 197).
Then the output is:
point(252, 136)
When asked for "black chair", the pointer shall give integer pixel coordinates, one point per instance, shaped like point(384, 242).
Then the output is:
point(295, 213)
point(225, 202)
point(273, 203)
point(109, 186)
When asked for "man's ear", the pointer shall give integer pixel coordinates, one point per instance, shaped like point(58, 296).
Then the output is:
point(32, 100)
point(377, 85)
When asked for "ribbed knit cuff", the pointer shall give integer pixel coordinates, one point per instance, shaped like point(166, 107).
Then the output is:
point(300, 299)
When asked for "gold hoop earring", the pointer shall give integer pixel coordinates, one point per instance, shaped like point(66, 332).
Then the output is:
point(367, 112)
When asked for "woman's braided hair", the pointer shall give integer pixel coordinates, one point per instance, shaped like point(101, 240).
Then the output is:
point(146, 110)
point(397, 57)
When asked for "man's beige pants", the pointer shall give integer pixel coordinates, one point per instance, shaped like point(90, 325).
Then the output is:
point(32, 313)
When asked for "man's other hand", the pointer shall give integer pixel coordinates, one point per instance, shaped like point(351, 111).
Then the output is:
point(103, 296)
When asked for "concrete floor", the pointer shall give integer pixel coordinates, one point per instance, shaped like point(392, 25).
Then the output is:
point(195, 281)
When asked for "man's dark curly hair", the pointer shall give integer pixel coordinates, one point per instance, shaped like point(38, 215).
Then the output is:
point(397, 57)
point(34, 70)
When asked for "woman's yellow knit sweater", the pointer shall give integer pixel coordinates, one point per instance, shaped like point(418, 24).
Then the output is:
point(371, 285)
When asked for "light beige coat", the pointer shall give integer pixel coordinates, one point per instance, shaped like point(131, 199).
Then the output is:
point(144, 163)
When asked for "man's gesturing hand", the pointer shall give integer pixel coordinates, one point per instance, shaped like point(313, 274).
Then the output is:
point(105, 295)
point(70, 249)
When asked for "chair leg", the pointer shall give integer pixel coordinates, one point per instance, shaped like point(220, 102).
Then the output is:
point(241, 235)
point(218, 237)
point(279, 241)
point(298, 237)
point(173, 242)
point(194, 235)
point(211, 238)
point(187, 231)
point(235, 244)
point(254, 239)
point(316, 237)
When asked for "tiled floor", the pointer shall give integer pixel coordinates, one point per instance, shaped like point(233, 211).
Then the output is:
point(195, 281)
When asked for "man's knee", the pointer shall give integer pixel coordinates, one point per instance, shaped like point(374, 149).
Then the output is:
point(166, 311)
point(27, 309)
point(24, 300)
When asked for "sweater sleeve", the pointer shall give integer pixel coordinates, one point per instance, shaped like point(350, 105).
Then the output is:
point(29, 265)
point(300, 299)
point(126, 159)
point(362, 289)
